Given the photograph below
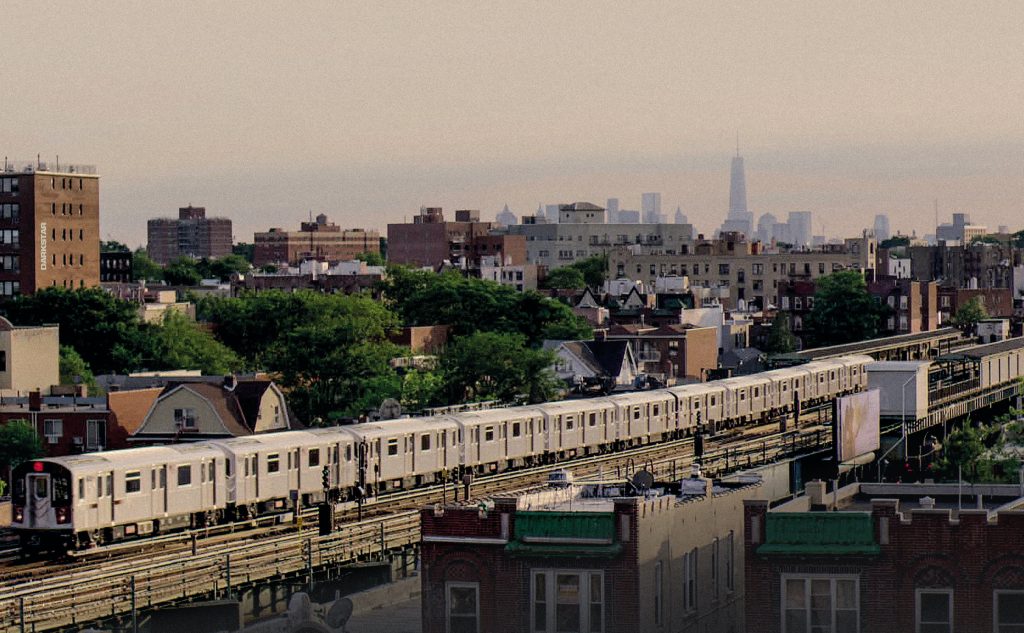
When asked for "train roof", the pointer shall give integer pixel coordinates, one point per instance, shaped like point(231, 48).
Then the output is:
point(639, 397)
point(497, 415)
point(979, 352)
point(562, 406)
point(141, 457)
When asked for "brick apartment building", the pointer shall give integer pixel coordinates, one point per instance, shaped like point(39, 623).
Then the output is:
point(49, 227)
point(319, 239)
point(560, 560)
point(192, 234)
point(429, 240)
point(998, 302)
point(887, 557)
point(669, 352)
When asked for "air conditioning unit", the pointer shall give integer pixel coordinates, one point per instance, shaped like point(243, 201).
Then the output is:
point(52, 439)
point(77, 441)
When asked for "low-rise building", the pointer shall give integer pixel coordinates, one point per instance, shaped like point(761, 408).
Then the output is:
point(607, 364)
point(201, 410)
point(319, 239)
point(887, 557)
point(346, 277)
point(671, 353)
point(589, 558)
point(29, 358)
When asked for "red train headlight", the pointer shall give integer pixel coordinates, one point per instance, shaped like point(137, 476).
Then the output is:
point(62, 515)
point(19, 514)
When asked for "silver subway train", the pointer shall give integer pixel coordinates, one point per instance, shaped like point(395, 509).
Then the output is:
point(84, 500)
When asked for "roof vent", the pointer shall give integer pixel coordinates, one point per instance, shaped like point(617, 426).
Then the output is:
point(927, 503)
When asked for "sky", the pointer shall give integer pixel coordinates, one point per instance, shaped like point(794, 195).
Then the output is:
point(267, 112)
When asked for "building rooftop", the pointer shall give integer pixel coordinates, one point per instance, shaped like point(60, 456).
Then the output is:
point(981, 351)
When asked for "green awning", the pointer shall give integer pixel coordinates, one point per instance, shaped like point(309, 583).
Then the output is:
point(567, 526)
point(819, 533)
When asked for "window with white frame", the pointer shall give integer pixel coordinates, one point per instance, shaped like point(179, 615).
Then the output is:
point(820, 604)
point(185, 418)
point(934, 611)
point(53, 430)
point(569, 601)
point(690, 580)
point(462, 607)
point(1008, 611)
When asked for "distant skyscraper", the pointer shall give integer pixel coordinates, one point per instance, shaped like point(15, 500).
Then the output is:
point(681, 217)
point(800, 228)
point(766, 227)
point(650, 207)
point(739, 219)
point(612, 210)
point(627, 216)
point(882, 231)
point(506, 217)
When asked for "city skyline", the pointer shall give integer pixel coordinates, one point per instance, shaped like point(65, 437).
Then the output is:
point(395, 112)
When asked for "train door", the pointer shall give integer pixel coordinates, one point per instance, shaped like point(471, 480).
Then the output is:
point(39, 499)
point(230, 480)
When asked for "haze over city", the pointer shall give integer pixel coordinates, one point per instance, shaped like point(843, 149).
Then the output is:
point(368, 112)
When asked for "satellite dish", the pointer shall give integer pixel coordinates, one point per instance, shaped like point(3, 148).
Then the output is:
point(643, 480)
point(390, 409)
point(339, 613)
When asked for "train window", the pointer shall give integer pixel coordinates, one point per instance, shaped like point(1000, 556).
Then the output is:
point(636, 413)
point(212, 468)
point(348, 453)
point(515, 429)
point(184, 475)
point(202, 474)
point(110, 485)
point(489, 434)
point(593, 419)
point(743, 395)
point(393, 447)
point(655, 410)
point(425, 443)
point(245, 466)
point(273, 463)
point(712, 401)
point(314, 457)
point(99, 486)
point(227, 467)
point(81, 488)
point(163, 477)
point(757, 391)
point(460, 435)
point(133, 482)
point(61, 492)
point(568, 423)
point(832, 375)
point(295, 459)
point(42, 488)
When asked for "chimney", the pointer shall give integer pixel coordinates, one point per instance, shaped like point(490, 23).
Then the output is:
point(35, 400)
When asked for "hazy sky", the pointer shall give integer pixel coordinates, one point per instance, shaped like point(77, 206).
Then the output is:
point(265, 111)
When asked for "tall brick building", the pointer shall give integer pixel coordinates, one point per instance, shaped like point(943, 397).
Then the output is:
point(192, 234)
point(320, 240)
point(49, 227)
point(573, 560)
point(429, 240)
point(887, 557)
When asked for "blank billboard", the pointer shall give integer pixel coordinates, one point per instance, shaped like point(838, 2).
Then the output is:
point(857, 427)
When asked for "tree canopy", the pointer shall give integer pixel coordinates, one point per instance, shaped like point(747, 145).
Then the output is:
point(74, 369)
point(113, 246)
point(371, 259)
point(470, 305)
point(968, 315)
point(565, 277)
point(780, 338)
point(498, 366)
point(145, 268)
point(18, 443)
point(895, 241)
point(843, 310)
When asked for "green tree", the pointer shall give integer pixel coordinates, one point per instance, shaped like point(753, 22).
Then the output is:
point(422, 389)
point(113, 246)
point(895, 241)
point(594, 270)
point(145, 268)
point(1018, 239)
point(179, 343)
point(780, 338)
point(228, 265)
point(371, 259)
point(497, 366)
point(968, 315)
point(183, 271)
point(245, 250)
point(565, 277)
point(74, 369)
point(18, 443)
point(101, 328)
point(843, 310)
point(962, 450)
